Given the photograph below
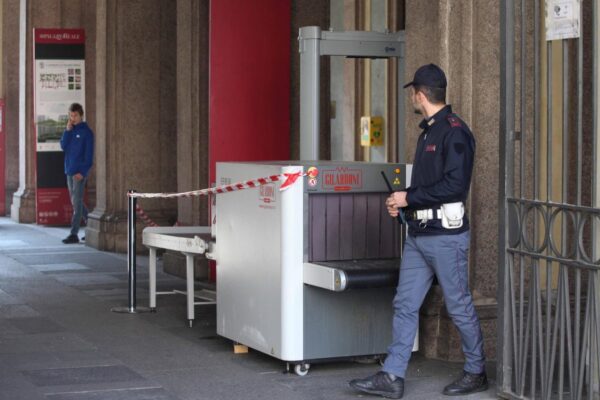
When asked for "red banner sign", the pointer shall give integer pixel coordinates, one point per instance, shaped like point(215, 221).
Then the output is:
point(53, 206)
point(59, 36)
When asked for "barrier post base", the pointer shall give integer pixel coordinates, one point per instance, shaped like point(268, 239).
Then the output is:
point(128, 310)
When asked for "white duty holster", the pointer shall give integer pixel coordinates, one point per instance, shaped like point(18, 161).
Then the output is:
point(452, 215)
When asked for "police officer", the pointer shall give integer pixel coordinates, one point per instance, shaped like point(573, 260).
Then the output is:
point(438, 240)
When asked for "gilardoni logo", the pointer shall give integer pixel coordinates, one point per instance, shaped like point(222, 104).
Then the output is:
point(342, 179)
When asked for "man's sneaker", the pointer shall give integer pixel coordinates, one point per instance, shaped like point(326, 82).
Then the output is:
point(467, 384)
point(71, 239)
point(382, 384)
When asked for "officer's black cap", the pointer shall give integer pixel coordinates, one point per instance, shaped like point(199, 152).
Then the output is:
point(429, 75)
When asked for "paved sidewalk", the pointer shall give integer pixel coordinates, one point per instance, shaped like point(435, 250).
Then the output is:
point(59, 340)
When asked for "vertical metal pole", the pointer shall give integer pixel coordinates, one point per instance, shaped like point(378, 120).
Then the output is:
point(519, 343)
point(566, 101)
point(523, 110)
point(131, 244)
point(506, 179)
point(536, 188)
point(564, 199)
point(579, 179)
point(131, 259)
point(544, 342)
point(549, 125)
point(401, 96)
point(310, 57)
point(189, 281)
point(152, 278)
point(595, 369)
point(579, 155)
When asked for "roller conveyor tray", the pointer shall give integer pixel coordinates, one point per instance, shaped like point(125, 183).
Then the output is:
point(186, 239)
point(191, 241)
point(350, 274)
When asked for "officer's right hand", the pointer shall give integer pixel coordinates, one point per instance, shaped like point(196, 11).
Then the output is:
point(69, 125)
point(392, 208)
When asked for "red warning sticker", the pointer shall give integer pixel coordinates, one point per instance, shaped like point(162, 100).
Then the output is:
point(266, 196)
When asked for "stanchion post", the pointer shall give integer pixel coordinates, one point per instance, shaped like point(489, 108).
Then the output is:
point(131, 258)
point(131, 249)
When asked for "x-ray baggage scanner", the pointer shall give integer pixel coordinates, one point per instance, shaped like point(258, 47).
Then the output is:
point(308, 273)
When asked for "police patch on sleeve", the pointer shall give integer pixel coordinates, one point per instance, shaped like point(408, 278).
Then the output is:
point(454, 122)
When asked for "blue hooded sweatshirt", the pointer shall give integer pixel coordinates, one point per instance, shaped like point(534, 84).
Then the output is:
point(78, 145)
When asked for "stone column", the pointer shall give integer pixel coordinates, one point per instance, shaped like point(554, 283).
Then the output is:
point(136, 131)
point(192, 123)
point(192, 108)
point(462, 38)
point(23, 206)
point(10, 77)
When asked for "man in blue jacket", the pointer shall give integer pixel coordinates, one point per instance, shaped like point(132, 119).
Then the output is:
point(438, 240)
point(78, 144)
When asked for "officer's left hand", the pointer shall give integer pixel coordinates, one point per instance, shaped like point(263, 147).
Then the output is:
point(78, 176)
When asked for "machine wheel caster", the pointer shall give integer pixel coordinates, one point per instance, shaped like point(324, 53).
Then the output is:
point(301, 369)
point(153, 310)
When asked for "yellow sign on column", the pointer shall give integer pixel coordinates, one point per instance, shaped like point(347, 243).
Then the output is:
point(371, 131)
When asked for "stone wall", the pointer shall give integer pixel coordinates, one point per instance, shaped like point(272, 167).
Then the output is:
point(10, 79)
point(463, 38)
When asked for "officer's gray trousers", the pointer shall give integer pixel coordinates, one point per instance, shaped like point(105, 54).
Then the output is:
point(446, 256)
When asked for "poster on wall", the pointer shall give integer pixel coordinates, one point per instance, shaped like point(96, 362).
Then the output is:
point(58, 83)
point(562, 19)
point(59, 80)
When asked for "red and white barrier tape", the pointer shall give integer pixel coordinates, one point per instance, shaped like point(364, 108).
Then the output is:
point(144, 217)
point(288, 180)
point(147, 220)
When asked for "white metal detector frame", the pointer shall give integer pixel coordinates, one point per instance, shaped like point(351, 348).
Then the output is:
point(314, 43)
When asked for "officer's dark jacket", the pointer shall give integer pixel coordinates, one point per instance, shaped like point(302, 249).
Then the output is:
point(441, 170)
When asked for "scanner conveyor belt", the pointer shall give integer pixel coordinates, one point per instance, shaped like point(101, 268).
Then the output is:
point(343, 275)
point(186, 239)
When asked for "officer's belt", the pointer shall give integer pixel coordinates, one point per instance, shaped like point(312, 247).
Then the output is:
point(425, 214)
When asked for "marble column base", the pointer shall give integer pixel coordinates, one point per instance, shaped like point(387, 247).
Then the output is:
point(108, 231)
point(23, 206)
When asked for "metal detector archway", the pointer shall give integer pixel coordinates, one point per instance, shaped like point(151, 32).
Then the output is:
point(314, 43)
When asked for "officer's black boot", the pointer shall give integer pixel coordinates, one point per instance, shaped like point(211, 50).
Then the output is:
point(382, 384)
point(467, 384)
